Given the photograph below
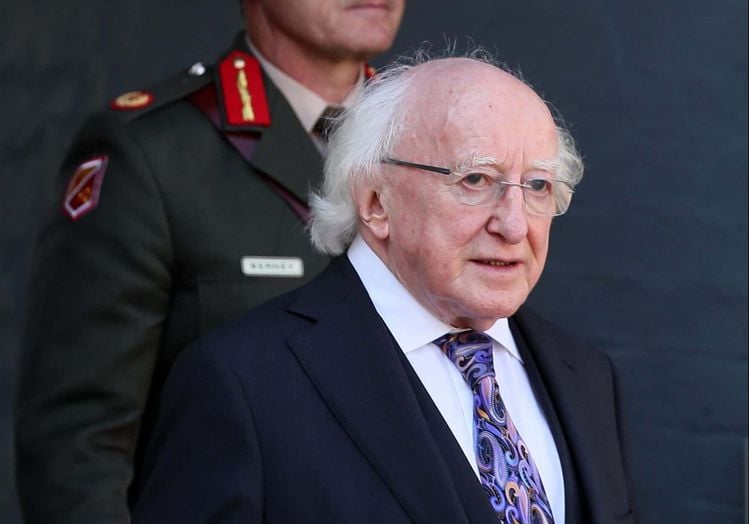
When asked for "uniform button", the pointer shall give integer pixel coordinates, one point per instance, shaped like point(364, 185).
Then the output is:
point(197, 69)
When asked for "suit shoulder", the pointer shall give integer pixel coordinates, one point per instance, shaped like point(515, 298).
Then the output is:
point(269, 322)
point(527, 316)
point(538, 327)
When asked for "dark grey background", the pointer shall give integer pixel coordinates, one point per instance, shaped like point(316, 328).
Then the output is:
point(650, 264)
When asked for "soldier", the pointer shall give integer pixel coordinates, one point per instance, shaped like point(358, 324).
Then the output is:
point(183, 205)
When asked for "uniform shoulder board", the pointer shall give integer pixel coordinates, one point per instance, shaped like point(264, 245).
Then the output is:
point(241, 93)
point(135, 103)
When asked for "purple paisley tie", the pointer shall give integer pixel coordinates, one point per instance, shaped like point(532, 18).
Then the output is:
point(508, 474)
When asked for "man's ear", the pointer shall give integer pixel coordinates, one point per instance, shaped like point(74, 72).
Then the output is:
point(371, 205)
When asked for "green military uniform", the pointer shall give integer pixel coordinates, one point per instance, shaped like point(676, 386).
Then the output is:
point(154, 262)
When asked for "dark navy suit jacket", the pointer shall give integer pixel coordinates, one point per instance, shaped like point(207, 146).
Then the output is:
point(305, 410)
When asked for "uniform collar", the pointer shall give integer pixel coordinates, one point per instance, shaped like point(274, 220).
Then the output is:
point(307, 105)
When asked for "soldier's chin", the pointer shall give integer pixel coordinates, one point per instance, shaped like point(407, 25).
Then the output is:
point(363, 53)
point(365, 46)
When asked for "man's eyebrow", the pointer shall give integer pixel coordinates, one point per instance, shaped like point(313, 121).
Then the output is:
point(550, 165)
point(478, 160)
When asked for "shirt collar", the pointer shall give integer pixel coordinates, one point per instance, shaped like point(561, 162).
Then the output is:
point(307, 105)
point(410, 323)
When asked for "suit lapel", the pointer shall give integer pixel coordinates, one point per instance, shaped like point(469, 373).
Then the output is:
point(349, 356)
point(582, 418)
point(465, 483)
point(573, 505)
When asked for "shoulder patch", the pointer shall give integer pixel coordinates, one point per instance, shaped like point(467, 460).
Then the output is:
point(132, 100)
point(242, 92)
point(82, 193)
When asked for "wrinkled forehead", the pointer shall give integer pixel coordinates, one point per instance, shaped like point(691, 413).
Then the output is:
point(459, 105)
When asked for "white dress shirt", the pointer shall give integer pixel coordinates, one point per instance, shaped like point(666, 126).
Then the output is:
point(307, 105)
point(414, 328)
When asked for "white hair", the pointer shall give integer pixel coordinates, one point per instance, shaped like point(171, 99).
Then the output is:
point(367, 134)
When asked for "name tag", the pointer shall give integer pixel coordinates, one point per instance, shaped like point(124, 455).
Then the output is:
point(284, 267)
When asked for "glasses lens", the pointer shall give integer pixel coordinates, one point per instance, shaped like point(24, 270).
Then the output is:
point(547, 197)
point(476, 187)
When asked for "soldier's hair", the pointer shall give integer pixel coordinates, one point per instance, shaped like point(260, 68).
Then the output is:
point(369, 131)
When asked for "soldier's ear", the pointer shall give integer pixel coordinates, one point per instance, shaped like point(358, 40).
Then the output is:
point(371, 205)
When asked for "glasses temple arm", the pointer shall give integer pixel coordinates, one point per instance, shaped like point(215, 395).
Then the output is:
point(425, 167)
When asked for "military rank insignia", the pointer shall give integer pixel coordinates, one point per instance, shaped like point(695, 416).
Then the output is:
point(242, 92)
point(82, 193)
point(132, 100)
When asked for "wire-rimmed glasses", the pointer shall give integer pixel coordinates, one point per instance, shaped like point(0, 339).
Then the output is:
point(483, 186)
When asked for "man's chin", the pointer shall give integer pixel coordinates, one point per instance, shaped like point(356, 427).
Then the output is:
point(483, 318)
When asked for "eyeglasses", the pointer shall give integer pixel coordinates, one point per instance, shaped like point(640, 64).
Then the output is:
point(483, 186)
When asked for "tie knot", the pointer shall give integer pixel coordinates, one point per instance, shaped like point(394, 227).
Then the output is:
point(327, 122)
point(471, 352)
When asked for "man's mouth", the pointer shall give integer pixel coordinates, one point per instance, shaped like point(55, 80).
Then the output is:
point(496, 263)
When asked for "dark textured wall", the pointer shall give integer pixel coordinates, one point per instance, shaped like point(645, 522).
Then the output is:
point(649, 265)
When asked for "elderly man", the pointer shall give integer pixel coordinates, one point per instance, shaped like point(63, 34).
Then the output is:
point(179, 207)
point(406, 383)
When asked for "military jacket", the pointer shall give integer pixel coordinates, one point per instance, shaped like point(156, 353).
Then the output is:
point(163, 231)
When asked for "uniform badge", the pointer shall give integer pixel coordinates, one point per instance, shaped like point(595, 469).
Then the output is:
point(242, 91)
point(82, 193)
point(132, 100)
point(288, 267)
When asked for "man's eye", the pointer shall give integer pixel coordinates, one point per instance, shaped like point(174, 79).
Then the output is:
point(476, 180)
point(539, 185)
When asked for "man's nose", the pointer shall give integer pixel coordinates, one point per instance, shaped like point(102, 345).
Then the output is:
point(509, 218)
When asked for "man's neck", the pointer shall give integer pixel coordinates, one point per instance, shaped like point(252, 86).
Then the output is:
point(330, 79)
